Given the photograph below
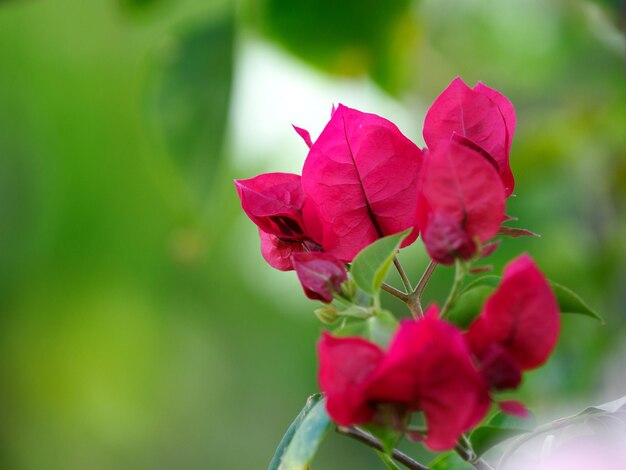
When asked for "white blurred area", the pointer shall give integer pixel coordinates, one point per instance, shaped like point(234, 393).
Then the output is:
point(273, 90)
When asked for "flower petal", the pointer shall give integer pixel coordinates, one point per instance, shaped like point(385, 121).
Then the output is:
point(361, 176)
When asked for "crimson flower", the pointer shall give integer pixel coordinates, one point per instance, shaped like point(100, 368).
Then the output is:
point(461, 201)
point(274, 201)
point(479, 117)
point(428, 368)
point(518, 327)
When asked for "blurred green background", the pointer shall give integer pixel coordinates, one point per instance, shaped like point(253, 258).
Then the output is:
point(140, 327)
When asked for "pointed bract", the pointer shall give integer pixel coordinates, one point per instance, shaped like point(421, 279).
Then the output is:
point(519, 326)
point(304, 134)
point(320, 274)
point(481, 115)
point(461, 199)
point(514, 408)
point(361, 175)
point(274, 201)
point(346, 365)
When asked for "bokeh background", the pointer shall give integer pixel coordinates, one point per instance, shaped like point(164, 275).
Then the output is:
point(140, 327)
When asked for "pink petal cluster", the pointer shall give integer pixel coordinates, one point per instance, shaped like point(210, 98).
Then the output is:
point(433, 367)
point(479, 117)
point(363, 180)
point(427, 368)
point(519, 325)
point(461, 203)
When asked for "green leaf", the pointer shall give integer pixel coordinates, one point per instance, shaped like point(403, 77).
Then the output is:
point(388, 437)
point(388, 461)
point(492, 281)
point(351, 38)
point(450, 461)
point(571, 303)
point(370, 266)
point(378, 329)
point(286, 440)
point(301, 441)
point(189, 97)
point(469, 305)
point(498, 429)
point(614, 406)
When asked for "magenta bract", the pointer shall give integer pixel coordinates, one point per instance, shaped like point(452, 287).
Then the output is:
point(304, 134)
point(274, 201)
point(320, 274)
point(346, 365)
point(481, 115)
point(519, 325)
point(461, 199)
point(361, 178)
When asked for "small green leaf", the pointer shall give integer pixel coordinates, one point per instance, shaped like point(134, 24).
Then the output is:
point(450, 461)
point(469, 305)
point(388, 461)
point(370, 266)
point(492, 281)
point(303, 438)
point(378, 329)
point(569, 302)
point(286, 440)
point(498, 429)
point(514, 232)
point(388, 437)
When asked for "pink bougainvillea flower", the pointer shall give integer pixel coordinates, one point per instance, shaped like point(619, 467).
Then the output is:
point(479, 117)
point(361, 180)
point(427, 368)
point(518, 327)
point(274, 201)
point(320, 274)
point(461, 200)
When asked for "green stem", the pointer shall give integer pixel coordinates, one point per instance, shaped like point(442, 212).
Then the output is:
point(456, 287)
point(414, 299)
point(403, 276)
point(371, 441)
point(466, 452)
point(395, 292)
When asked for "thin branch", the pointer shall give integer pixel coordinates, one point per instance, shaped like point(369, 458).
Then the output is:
point(402, 273)
point(421, 285)
point(395, 292)
point(470, 457)
point(374, 443)
point(414, 300)
point(458, 280)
